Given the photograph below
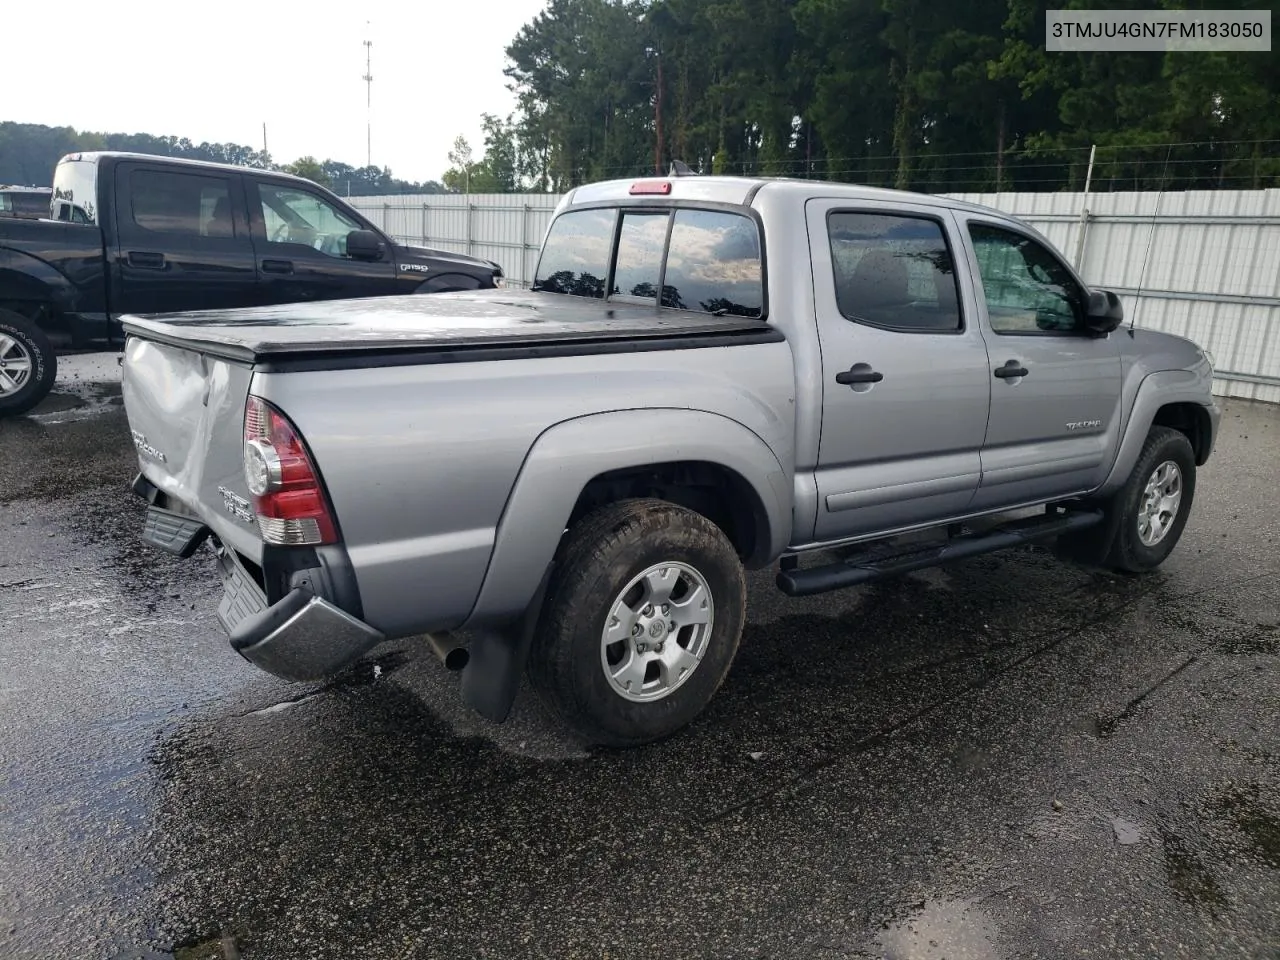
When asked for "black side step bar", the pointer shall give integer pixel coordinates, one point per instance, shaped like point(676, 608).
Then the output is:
point(903, 558)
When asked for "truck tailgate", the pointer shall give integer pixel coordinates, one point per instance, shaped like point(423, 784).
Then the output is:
point(186, 416)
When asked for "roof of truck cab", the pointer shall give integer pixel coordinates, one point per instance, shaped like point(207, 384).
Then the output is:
point(743, 190)
point(93, 156)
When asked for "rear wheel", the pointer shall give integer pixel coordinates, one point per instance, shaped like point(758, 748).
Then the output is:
point(28, 364)
point(641, 622)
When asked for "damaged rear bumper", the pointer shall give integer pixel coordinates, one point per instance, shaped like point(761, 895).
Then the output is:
point(307, 633)
point(301, 636)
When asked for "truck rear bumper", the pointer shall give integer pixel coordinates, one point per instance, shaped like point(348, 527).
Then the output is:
point(305, 635)
point(302, 636)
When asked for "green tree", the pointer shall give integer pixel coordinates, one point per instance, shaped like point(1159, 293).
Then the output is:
point(310, 168)
point(458, 177)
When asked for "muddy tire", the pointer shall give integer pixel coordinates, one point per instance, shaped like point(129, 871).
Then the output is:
point(1153, 506)
point(641, 622)
point(28, 364)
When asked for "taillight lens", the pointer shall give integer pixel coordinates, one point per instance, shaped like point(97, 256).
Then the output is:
point(287, 497)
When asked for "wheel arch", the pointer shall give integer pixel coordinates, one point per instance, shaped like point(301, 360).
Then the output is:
point(696, 458)
point(33, 288)
point(448, 283)
point(1190, 419)
point(1178, 397)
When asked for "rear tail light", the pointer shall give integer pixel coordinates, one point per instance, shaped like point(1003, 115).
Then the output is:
point(287, 496)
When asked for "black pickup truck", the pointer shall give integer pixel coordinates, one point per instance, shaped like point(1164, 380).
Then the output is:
point(133, 234)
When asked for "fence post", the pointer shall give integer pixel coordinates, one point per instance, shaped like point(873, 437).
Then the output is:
point(424, 224)
point(471, 208)
point(524, 247)
point(1084, 213)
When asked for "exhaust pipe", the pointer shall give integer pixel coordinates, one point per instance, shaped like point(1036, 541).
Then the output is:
point(452, 656)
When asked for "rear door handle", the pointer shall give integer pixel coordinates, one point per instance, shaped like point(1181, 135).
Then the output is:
point(855, 375)
point(277, 266)
point(146, 260)
point(1010, 370)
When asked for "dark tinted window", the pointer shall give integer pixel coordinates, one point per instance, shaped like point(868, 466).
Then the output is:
point(639, 265)
point(165, 202)
point(713, 264)
point(894, 272)
point(575, 257)
point(1027, 289)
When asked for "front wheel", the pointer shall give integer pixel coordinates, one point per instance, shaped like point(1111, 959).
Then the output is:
point(1154, 504)
point(28, 364)
point(641, 622)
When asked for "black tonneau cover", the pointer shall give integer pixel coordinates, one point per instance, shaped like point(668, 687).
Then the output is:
point(516, 322)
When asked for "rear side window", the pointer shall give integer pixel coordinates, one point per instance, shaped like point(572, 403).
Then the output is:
point(895, 272)
point(575, 256)
point(181, 203)
point(713, 264)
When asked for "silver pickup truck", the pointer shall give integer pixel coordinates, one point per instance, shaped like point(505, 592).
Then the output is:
point(709, 374)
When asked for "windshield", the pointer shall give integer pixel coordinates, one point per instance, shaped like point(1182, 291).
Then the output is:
point(75, 191)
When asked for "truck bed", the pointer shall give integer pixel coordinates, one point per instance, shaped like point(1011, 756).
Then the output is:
point(485, 324)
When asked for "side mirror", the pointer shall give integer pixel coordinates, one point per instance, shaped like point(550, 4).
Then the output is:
point(364, 245)
point(1104, 314)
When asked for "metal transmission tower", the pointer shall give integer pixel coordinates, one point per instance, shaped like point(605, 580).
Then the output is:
point(368, 102)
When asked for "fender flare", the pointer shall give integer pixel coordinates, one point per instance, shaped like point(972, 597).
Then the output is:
point(568, 455)
point(1155, 391)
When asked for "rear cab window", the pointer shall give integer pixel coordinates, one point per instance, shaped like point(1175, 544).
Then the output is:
point(75, 191)
point(707, 261)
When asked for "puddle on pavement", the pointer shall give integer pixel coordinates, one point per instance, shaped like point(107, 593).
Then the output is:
point(221, 947)
point(1126, 832)
point(938, 929)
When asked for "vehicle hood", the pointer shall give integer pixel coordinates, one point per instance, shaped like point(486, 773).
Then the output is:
point(406, 253)
point(1162, 351)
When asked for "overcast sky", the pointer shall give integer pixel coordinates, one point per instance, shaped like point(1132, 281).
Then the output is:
point(217, 71)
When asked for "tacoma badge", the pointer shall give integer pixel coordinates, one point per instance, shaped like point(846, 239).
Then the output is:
point(146, 449)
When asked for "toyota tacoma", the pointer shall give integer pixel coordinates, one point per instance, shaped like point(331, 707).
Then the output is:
point(709, 375)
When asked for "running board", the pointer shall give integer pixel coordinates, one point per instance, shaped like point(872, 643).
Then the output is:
point(903, 558)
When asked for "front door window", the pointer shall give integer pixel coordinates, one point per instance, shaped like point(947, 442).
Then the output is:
point(1028, 290)
point(293, 215)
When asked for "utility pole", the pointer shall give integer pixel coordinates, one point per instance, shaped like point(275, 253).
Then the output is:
point(657, 121)
point(368, 101)
point(264, 138)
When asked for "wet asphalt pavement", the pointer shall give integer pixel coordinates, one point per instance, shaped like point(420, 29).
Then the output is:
point(1009, 757)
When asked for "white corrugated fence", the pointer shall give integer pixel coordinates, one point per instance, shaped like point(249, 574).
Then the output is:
point(1212, 272)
